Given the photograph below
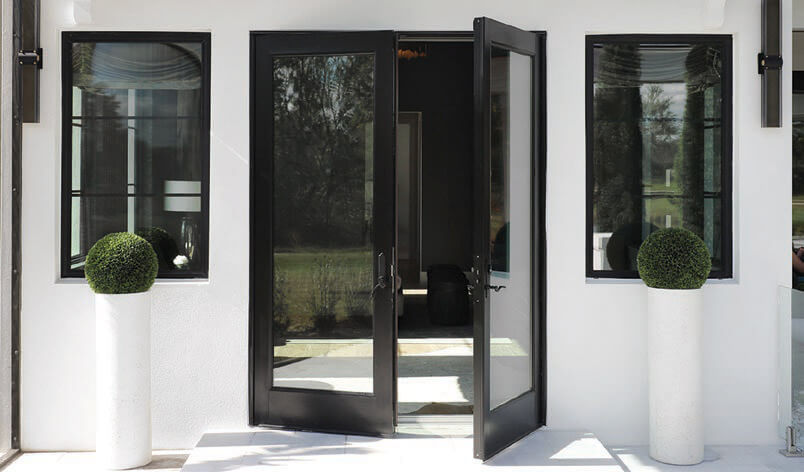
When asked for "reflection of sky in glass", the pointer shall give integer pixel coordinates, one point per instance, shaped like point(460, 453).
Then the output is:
point(676, 92)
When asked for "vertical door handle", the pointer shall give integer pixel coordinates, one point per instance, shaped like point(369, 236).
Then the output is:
point(381, 281)
point(381, 270)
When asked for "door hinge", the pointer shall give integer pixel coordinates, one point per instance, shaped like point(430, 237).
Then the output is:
point(30, 58)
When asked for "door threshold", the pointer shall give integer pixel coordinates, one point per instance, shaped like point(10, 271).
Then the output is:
point(445, 426)
point(435, 419)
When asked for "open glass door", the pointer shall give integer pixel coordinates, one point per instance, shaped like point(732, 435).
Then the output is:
point(322, 216)
point(508, 281)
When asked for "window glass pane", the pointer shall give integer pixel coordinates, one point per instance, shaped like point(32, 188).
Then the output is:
point(511, 357)
point(408, 146)
point(323, 222)
point(138, 154)
point(656, 147)
point(798, 161)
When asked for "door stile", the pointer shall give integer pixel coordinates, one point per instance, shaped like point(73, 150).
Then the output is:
point(500, 422)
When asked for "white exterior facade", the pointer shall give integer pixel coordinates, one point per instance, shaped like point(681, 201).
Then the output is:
point(596, 329)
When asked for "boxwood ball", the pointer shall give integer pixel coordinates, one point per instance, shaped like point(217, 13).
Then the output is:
point(674, 258)
point(121, 263)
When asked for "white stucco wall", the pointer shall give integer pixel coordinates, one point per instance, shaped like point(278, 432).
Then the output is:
point(5, 226)
point(596, 350)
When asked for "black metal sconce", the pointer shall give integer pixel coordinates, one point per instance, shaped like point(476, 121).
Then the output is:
point(769, 63)
point(29, 56)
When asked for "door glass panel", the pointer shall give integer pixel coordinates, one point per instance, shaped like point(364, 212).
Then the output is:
point(510, 219)
point(322, 222)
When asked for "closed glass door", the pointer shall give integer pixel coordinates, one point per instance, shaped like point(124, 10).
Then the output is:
point(323, 230)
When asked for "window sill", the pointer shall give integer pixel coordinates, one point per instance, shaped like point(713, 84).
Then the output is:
point(613, 281)
point(157, 283)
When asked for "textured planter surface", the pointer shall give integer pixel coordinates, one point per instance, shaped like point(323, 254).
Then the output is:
point(123, 380)
point(674, 375)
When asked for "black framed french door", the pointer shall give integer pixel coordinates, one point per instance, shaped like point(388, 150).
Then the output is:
point(322, 231)
point(508, 292)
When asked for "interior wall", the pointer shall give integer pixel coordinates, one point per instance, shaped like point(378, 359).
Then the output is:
point(440, 87)
point(596, 349)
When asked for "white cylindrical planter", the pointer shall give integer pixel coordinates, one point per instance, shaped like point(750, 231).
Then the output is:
point(123, 380)
point(674, 375)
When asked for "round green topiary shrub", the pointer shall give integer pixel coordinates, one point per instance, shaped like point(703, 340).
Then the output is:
point(674, 258)
point(121, 263)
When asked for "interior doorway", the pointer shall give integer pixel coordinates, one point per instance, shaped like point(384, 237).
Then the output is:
point(434, 225)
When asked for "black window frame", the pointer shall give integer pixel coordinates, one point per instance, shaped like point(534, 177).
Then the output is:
point(68, 39)
point(726, 43)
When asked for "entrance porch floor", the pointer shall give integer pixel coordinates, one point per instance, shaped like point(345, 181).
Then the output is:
point(417, 451)
point(447, 448)
point(265, 450)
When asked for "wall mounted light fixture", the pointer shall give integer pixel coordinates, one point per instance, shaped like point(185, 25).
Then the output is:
point(29, 56)
point(769, 63)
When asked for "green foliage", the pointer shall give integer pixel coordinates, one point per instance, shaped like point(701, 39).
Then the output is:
point(618, 137)
point(674, 258)
point(281, 319)
point(357, 296)
point(323, 109)
point(324, 296)
point(121, 263)
point(164, 246)
point(298, 267)
point(703, 100)
point(660, 130)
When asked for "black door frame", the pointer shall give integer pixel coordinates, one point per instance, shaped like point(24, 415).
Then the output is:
point(538, 202)
point(518, 417)
point(320, 410)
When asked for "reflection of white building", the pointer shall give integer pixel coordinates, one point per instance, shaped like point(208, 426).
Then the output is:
point(599, 243)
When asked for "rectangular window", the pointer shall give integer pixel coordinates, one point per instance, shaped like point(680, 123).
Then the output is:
point(658, 143)
point(798, 158)
point(135, 145)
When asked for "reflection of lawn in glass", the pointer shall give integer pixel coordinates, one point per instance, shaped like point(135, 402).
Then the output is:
point(298, 265)
point(657, 210)
point(660, 187)
point(798, 216)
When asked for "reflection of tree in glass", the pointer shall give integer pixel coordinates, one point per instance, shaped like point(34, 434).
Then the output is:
point(324, 284)
point(701, 113)
point(660, 127)
point(281, 317)
point(617, 137)
point(102, 143)
point(498, 162)
point(798, 173)
point(323, 146)
point(357, 295)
